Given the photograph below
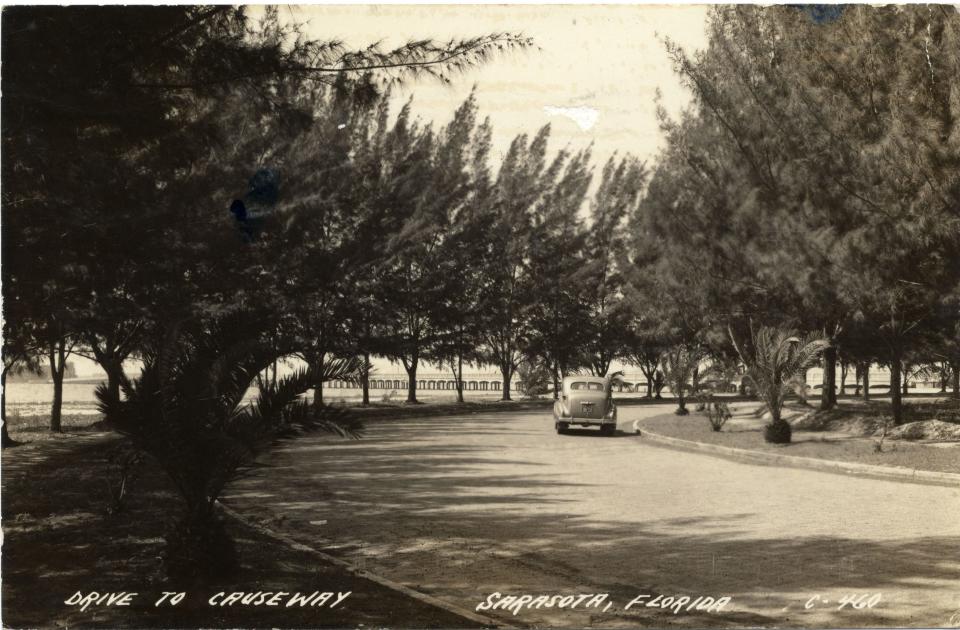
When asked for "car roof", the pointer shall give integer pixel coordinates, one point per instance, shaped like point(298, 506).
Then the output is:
point(587, 379)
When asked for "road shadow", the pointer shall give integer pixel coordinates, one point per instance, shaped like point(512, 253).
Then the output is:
point(464, 520)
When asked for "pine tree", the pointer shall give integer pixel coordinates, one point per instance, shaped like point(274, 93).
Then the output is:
point(558, 313)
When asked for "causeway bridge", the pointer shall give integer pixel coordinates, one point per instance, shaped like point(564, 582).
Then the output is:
point(486, 381)
point(634, 380)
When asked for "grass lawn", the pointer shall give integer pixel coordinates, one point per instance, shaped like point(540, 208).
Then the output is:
point(36, 427)
point(60, 539)
point(33, 427)
point(840, 437)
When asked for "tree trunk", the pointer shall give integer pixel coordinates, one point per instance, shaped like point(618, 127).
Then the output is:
point(866, 383)
point(555, 369)
point(896, 400)
point(828, 394)
point(776, 410)
point(955, 368)
point(57, 360)
point(412, 380)
point(318, 385)
point(802, 390)
point(857, 375)
point(844, 368)
point(906, 379)
point(457, 381)
point(506, 369)
point(114, 370)
point(110, 359)
point(648, 374)
point(7, 440)
point(365, 378)
point(113, 366)
point(114, 378)
point(601, 366)
point(460, 367)
point(681, 404)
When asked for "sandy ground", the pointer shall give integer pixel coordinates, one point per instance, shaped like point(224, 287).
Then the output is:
point(462, 507)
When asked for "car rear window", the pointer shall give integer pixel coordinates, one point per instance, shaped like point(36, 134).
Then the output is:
point(594, 387)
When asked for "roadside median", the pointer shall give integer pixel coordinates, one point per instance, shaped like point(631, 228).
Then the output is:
point(767, 458)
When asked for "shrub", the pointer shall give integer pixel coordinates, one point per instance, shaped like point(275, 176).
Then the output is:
point(886, 423)
point(948, 414)
point(778, 432)
point(187, 411)
point(774, 358)
point(535, 378)
point(679, 364)
point(717, 414)
point(199, 546)
point(124, 467)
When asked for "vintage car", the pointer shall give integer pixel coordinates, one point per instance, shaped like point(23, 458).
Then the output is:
point(586, 401)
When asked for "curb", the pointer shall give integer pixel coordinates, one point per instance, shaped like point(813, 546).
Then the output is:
point(888, 473)
point(405, 590)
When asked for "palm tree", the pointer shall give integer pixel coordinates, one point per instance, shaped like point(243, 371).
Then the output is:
point(775, 357)
point(678, 365)
point(189, 411)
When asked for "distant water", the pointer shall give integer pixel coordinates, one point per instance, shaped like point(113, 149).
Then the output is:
point(36, 398)
point(33, 398)
point(29, 399)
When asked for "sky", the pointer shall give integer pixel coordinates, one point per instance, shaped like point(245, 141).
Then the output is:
point(609, 58)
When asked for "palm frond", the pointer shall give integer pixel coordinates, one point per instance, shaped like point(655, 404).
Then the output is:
point(187, 407)
point(776, 358)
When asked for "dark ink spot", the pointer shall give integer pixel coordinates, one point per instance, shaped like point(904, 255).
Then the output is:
point(264, 188)
point(239, 210)
point(254, 209)
point(821, 13)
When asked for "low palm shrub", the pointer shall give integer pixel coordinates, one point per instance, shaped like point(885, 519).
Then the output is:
point(778, 432)
point(187, 411)
point(774, 358)
point(717, 378)
point(716, 411)
point(678, 366)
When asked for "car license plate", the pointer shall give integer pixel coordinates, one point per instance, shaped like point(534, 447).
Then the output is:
point(586, 406)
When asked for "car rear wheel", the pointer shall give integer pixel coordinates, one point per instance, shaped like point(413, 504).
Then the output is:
point(608, 429)
point(562, 427)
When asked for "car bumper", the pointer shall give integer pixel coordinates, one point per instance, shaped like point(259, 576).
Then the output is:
point(587, 422)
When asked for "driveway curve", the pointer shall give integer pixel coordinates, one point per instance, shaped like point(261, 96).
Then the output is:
point(463, 507)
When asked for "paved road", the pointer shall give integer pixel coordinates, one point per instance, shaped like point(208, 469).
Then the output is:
point(467, 506)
